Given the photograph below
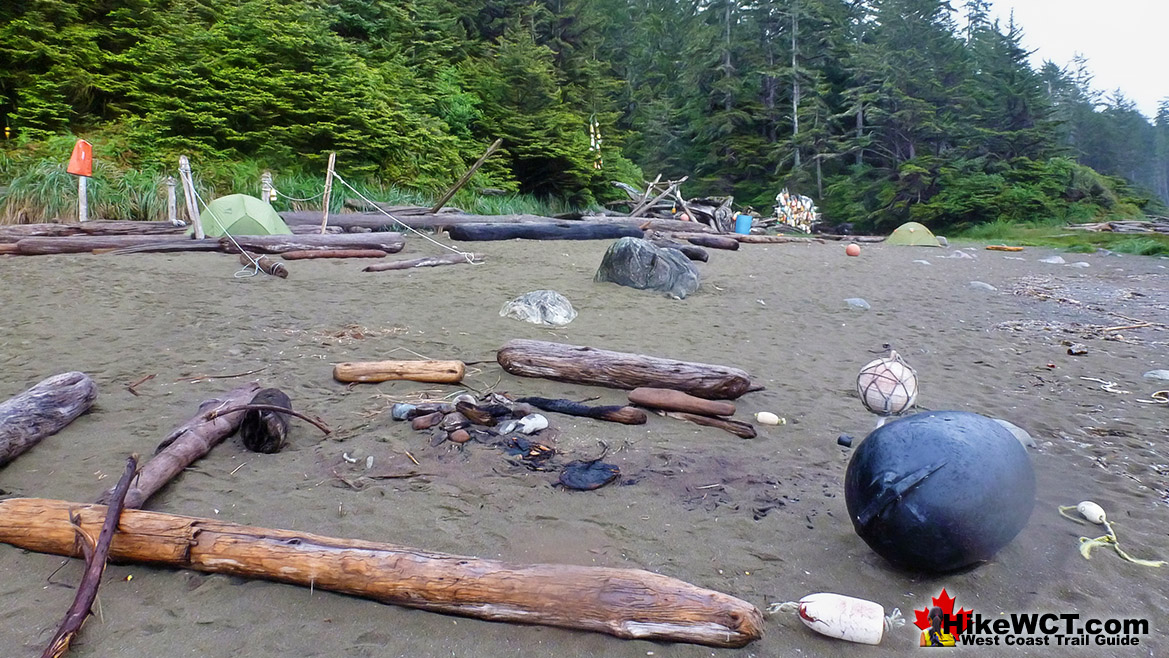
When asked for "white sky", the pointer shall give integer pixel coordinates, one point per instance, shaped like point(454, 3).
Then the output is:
point(1126, 41)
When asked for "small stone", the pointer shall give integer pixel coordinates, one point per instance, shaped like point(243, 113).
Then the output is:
point(857, 303)
point(1077, 349)
point(426, 422)
point(459, 436)
point(943, 241)
point(1053, 260)
point(979, 285)
point(401, 411)
point(1157, 374)
point(1080, 264)
point(844, 440)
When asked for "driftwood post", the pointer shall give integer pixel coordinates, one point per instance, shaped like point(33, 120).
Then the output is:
point(328, 190)
point(189, 194)
point(627, 603)
point(43, 410)
point(266, 194)
point(466, 177)
point(172, 208)
point(187, 443)
point(588, 365)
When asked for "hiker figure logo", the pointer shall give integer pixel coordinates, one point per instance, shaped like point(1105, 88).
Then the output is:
point(940, 627)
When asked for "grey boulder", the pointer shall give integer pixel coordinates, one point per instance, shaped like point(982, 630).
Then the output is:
point(640, 264)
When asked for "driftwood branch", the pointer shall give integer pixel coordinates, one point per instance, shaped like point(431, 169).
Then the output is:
point(271, 407)
point(434, 261)
point(304, 254)
point(265, 263)
point(627, 603)
point(736, 427)
point(466, 177)
point(614, 413)
point(42, 411)
point(94, 568)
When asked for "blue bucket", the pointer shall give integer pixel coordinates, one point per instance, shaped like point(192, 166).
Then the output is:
point(743, 224)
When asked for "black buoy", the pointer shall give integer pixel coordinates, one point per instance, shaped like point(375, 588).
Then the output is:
point(939, 491)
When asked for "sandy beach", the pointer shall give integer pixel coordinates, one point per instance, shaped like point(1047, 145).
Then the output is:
point(762, 519)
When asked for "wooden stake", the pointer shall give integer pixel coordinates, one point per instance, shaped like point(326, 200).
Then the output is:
point(172, 209)
point(466, 177)
point(627, 603)
point(189, 194)
point(328, 190)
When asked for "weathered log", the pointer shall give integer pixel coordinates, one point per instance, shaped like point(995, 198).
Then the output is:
point(714, 241)
point(588, 365)
point(688, 250)
point(333, 253)
point(432, 261)
point(308, 229)
point(614, 413)
point(42, 411)
point(187, 443)
point(749, 239)
point(95, 566)
point(671, 400)
point(438, 372)
point(79, 244)
point(736, 427)
point(206, 244)
point(18, 232)
point(566, 230)
point(275, 244)
point(422, 218)
point(266, 264)
point(9, 248)
point(627, 603)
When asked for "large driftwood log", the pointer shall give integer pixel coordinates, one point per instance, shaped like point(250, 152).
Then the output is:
point(432, 261)
point(588, 365)
point(627, 603)
point(20, 231)
point(671, 400)
point(275, 244)
point(332, 253)
point(421, 218)
point(43, 410)
point(78, 244)
point(187, 443)
point(613, 413)
point(736, 427)
point(565, 230)
point(438, 372)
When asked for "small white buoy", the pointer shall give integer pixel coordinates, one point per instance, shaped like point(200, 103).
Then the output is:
point(843, 617)
point(532, 423)
point(767, 418)
point(1092, 512)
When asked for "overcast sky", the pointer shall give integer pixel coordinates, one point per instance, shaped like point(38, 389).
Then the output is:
point(1126, 41)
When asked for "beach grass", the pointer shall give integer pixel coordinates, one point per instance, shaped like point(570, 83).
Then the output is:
point(1062, 236)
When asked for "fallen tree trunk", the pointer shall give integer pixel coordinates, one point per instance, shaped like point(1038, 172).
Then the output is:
point(333, 253)
point(79, 244)
point(736, 427)
point(671, 400)
point(422, 218)
point(42, 411)
point(433, 261)
point(714, 241)
point(18, 232)
point(187, 443)
point(274, 244)
point(627, 603)
point(690, 251)
point(588, 365)
point(438, 372)
point(748, 239)
point(566, 230)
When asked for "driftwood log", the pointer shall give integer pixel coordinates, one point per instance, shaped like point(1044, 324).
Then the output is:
point(274, 244)
point(714, 241)
point(671, 400)
point(265, 263)
point(432, 261)
point(95, 566)
point(736, 427)
point(690, 251)
point(627, 603)
point(422, 218)
point(613, 413)
point(588, 365)
point(42, 411)
point(187, 443)
point(566, 230)
point(79, 244)
point(17, 232)
point(371, 372)
point(333, 253)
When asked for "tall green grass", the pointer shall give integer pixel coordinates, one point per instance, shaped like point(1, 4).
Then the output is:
point(1062, 237)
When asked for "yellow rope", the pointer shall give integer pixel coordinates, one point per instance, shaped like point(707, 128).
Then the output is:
point(1088, 543)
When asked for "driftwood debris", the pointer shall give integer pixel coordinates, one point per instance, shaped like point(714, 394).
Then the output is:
point(333, 253)
point(187, 443)
point(371, 372)
point(275, 244)
point(565, 230)
point(95, 565)
point(588, 365)
point(1152, 225)
point(714, 241)
point(432, 261)
point(614, 413)
point(79, 244)
point(466, 176)
point(736, 427)
point(265, 430)
point(627, 603)
point(42, 411)
point(265, 263)
point(422, 219)
point(690, 251)
point(671, 400)
point(18, 232)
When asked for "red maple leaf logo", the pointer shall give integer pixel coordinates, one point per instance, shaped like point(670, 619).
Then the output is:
point(946, 603)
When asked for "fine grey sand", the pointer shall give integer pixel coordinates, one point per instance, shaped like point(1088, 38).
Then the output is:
point(761, 519)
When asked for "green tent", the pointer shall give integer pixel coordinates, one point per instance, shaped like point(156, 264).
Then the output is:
point(913, 234)
point(240, 214)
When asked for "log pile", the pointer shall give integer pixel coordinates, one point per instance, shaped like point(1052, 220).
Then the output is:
point(1151, 225)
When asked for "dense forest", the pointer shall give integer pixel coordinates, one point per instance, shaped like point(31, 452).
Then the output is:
point(881, 110)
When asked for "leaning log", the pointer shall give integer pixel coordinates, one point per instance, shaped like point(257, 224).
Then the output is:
point(433, 261)
point(274, 244)
point(671, 400)
point(187, 443)
point(437, 372)
point(566, 230)
point(17, 232)
point(627, 603)
point(588, 365)
point(42, 411)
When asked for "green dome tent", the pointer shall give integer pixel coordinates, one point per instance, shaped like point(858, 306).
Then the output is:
point(913, 234)
point(240, 214)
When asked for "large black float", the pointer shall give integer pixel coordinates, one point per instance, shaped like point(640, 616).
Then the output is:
point(939, 491)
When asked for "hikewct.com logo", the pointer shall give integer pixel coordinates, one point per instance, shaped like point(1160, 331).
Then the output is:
point(942, 627)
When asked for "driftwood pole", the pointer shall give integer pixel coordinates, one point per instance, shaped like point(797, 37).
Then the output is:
point(670, 188)
point(189, 194)
point(328, 190)
point(266, 194)
point(42, 411)
point(187, 443)
point(627, 603)
point(172, 209)
point(466, 177)
point(588, 365)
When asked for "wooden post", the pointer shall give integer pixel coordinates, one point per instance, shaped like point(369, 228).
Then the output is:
point(82, 199)
point(172, 210)
point(266, 194)
point(189, 193)
point(328, 190)
point(466, 177)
